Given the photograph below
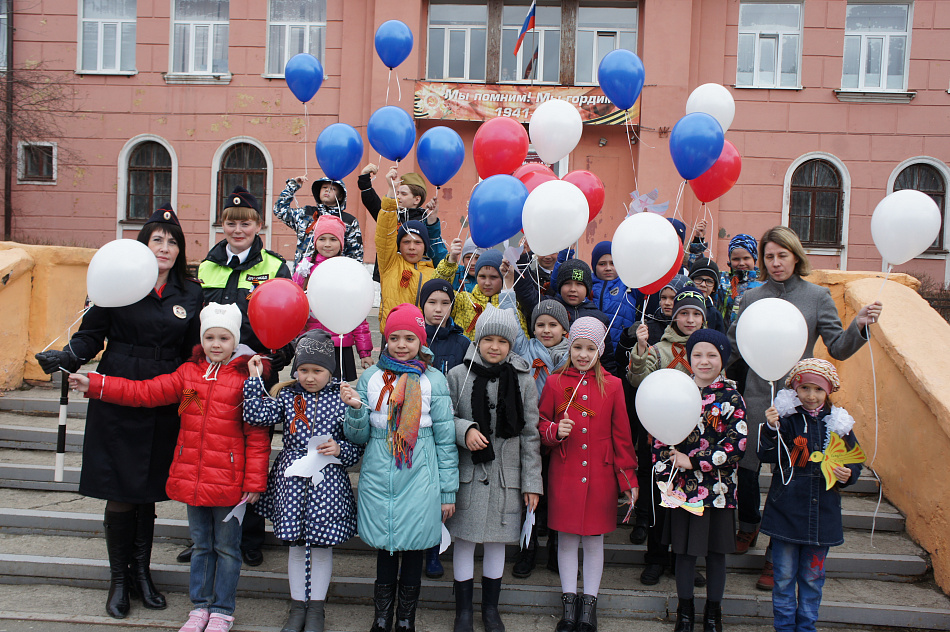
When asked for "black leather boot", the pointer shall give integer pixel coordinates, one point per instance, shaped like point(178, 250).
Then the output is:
point(120, 536)
point(315, 617)
point(384, 599)
point(141, 577)
point(568, 622)
point(491, 590)
point(406, 608)
point(685, 616)
point(295, 617)
point(712, 617)
point(464, 612)
point(587, 621)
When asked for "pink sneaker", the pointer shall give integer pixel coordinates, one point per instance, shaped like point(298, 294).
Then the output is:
point(219, 623)
point(197, 621)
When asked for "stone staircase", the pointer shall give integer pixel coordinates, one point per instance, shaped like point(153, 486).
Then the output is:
point(50, 535)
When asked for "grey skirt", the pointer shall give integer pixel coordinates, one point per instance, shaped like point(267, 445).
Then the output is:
point(689, 534)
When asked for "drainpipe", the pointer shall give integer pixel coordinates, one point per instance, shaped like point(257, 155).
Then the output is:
point(8, 140)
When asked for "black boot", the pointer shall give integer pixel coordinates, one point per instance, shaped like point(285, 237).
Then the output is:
point(464, 615)
point(568, 622)
point(712, 617)
point(384, 599)
point(587, 621)
point(524, 560)
point(141, 583)
point(295, 617)
point(685, 616)
point(406, 608)
point(552, 551)
point(315, 617)
point(120, 536)
point(491, 590)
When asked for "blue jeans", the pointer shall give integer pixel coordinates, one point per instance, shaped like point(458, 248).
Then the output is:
point(804, 566)
point(215, 559)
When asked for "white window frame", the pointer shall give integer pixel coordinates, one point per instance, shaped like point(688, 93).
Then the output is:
point(119, 23)
point(189, 71)
point(539, 71)
point(122, 182)
point(886, 36)
point(467, 28)
point(944, 170)
point(597, 31)
point(759, 33)
point(841, 251)
point(215, 232)
point(321, 54)
point(21, 176)
point(3, 34)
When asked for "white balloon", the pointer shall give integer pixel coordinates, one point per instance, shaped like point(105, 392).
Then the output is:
point(669, 405)
point(645, 247)
point(904, 224)
point(555, 129)
point(772, 334)
point(340, 293)
point(122, 272)
point(554, 216)
point(714, 100)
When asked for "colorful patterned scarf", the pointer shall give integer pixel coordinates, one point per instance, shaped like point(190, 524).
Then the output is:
point(405, 406)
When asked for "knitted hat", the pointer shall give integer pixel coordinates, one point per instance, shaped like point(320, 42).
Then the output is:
point(435, 285)
point(329, 225)
point(552, 308)
point(406, 317)
point(689, 298)
point(497, 322)
point(589, 328)
point(341, 194)
point(415, 180)
point(164, 214)
point(413, 227)
point(815, 371)
point(226, 316)
point(314, 347)
point(679, 283)
point(241, 197)
point(469, 248)
point(601, 249)
point(704, 267)
point(575, 270)
point(680, 229)
point(713, 337)
point(747, 242)
point(491, 258)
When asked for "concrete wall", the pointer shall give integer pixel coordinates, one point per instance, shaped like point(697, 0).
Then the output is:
point(16, 266)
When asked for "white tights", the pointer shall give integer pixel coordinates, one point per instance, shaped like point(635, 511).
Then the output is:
point(321, 567)
point(567, 544)
point(463, 560)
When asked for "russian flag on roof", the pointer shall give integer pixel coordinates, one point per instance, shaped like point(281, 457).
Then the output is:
point(527, 26)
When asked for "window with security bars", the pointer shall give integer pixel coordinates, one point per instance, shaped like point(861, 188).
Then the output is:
point(816, 204)
point(150, 180)
point(242, 165)
point(294, 26)
point(925, 178)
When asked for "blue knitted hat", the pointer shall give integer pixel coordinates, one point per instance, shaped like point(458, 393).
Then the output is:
point(713, 337)
point(601, 249)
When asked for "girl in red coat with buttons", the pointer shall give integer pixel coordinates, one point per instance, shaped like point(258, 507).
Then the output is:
point(584, 421)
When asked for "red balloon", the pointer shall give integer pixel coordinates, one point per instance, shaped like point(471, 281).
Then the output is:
point(655, 287)
point(533, 174)
point(500, 146)
point(278, 310)
point(591, 186)
point(718, 179)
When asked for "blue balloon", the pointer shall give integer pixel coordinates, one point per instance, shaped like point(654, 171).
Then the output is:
point(494, 210)
point(391, 132)
point(621, 75)
point(440, 154)
point(393, 42)
point(339, 150)
point(304, 76)
point(695, 144)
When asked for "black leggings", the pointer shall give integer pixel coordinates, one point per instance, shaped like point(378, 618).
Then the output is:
point(715, 576)
point(387, 567)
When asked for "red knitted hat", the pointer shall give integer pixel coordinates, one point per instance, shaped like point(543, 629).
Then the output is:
point(406, 317)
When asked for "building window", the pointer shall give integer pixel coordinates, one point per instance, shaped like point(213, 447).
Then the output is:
point(876, 47)
point(200, 37)
point(769, 52)
point(242, 165)
point(108, 36)
point(816, 203)
point(599, 31)
point(294, 26)
point(36, 163)
point(457, 41)
point(150, 180)
point(538, 59)
point(3, 34)
point(925, 178)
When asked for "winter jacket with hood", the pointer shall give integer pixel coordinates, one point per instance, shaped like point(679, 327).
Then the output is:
point(544, 361)
point(668, 353)
point(448, 345)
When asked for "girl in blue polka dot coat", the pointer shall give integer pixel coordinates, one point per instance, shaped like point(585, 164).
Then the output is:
point(310, 513)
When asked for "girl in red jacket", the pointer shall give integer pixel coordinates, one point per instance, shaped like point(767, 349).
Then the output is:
point(219, 461)
point(584, 421)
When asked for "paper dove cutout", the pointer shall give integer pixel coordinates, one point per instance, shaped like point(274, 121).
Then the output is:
point(647, 202)
point(526, 529)
point(512, 254)
point(311, 465)
point(446, 540)
point(237, 512)
point(836, 454)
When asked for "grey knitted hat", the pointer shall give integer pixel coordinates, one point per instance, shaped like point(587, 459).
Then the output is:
point(314, 347)
point(554, 309)
point(497, 322)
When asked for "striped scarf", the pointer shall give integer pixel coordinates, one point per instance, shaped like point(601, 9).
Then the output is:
point(405, 406)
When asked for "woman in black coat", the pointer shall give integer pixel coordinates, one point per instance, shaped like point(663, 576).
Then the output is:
point(127, 451)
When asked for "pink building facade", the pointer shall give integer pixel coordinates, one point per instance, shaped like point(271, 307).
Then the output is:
point(837, 104)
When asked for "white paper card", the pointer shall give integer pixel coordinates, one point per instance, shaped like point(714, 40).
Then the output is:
point(446, 540)
point(526, 529)
point(237, 512)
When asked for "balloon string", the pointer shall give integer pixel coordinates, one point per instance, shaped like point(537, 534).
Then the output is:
point(679, 194)
point(68, 327)
point(398, 88)
point(389, 83)
point(867, 334)
point(342, 376)
point(306, 142)
point(633, 164)
point(886, 274)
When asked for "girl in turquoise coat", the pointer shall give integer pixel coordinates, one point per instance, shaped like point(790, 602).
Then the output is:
point(402, 411)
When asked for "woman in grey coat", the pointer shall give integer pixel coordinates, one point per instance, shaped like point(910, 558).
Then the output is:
point(496, 422)
point(782, 265)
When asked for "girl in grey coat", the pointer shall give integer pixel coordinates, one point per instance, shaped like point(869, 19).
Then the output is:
point(496, 422)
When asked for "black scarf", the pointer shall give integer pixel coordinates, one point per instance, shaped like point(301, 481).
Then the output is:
point(509, 409)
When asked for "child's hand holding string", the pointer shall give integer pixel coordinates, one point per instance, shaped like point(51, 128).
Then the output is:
point(393, 178)
point(79, 382)
point(508, 272)
point(300, 180)
point(680, 460)
point(632, 495)
point(531, 501)
point(256, 366)
point(771, 416)
point(369, 169)
point(455, 251)
point(251, 497)
point(643, 335)
point(564, 427)
point(349, 396)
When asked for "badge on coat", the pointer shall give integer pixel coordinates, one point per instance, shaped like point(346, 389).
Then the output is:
point(180, 312)
point(614, 291)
